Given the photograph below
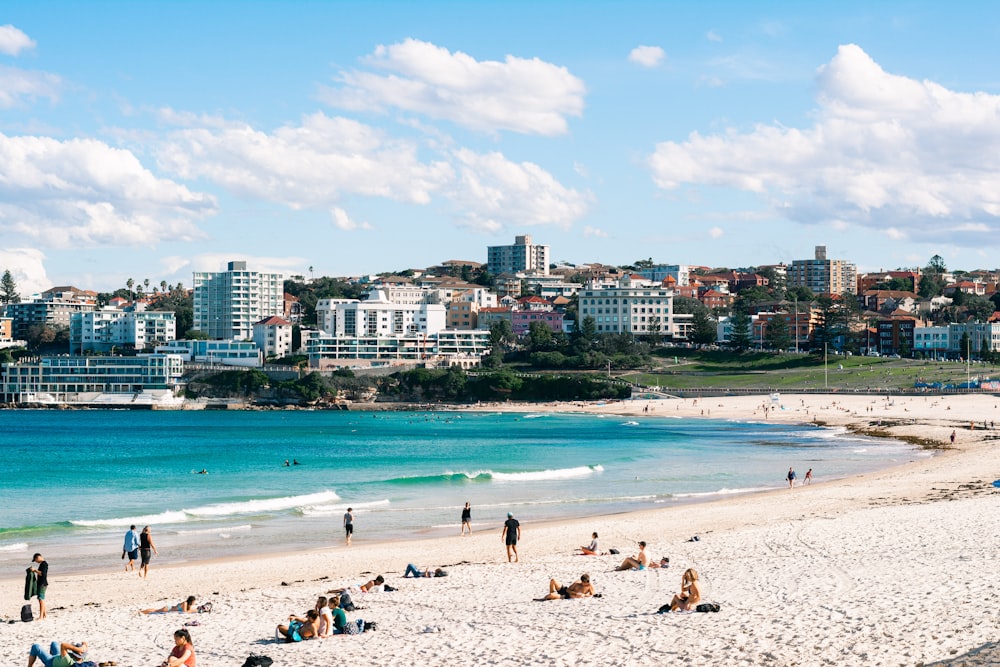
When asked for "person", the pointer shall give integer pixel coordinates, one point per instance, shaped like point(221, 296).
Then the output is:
point(146, 551)
point(182, 654)
point(690, 594)
point(809, 476)
point(325, 617)
point(287, 464)
point(636, 562)
point(511, 533)
point(411, 569)
point(299, 628)
point(579, 589)
point(131, 548)
point(466, 519)
point(953, 436)
point(661, 564)
point(64, 654)
point(791, 477)
point(366, 587)
point(349, 524)
point(339, 616)
point(40, 569)
point(590, 549)
point(185, 607)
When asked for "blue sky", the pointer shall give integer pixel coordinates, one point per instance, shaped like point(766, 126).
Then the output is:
point(155, 139)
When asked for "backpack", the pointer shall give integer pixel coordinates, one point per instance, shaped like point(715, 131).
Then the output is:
point(346, 603)
point(707, 606)
point(258, 661)
point(26, 614)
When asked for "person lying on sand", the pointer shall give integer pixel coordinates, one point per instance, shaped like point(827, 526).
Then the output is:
point(690, 594)
point(636, 562)
point(590, 549)
point(662, 563)
point(411, 570)
point(185, 607)
point(579, 589)
point(63, 654)
point(299, 628)
point(367, 587)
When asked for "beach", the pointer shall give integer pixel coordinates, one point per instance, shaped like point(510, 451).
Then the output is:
point(896, 567)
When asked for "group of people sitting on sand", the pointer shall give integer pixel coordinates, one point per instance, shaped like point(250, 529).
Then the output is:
point(67, 654)
point(328, 616)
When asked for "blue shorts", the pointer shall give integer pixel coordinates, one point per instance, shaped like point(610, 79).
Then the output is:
point(41, 592)
point(133, 555)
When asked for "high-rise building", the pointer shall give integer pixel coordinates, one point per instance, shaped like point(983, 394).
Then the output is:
point(228, 303)
point(522, 257)
point(822, 275)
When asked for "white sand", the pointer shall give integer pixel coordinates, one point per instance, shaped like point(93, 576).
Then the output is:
point(892, 568)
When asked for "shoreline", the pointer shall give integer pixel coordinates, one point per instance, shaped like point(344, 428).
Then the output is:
point(844, 565)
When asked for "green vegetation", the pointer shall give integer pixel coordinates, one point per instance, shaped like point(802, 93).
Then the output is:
point(454, 385)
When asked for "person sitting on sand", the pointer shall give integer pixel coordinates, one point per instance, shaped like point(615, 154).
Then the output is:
point(63, 654)
point(579, 589)
point(299, 628)
point(636, 562)
point(591, 549)
point(325, 617)
point(690, 594)
point(411, 570)
point(182, 654)
point(185, 607)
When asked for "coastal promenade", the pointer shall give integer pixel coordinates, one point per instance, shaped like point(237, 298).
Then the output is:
point(896, 567)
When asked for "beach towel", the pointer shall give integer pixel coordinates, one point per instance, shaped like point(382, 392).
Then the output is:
point(30, 584)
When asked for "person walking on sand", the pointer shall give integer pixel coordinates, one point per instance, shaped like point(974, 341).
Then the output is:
point(146, 551)
point(40, 568)
point(791, 478)
point(466, 519)
point(510, 534)
point(349, 524)
point(131, 548)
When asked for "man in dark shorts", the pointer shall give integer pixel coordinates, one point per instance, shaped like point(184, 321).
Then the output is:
point(131, 548)
point(41, 570)
point(511, 533)
point(349, 524)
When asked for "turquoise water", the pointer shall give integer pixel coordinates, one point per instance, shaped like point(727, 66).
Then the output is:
point(75, 480)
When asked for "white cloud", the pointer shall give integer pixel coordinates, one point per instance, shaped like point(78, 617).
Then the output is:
point(495, 192)
point(593, 232)
point(713, 36)
point(83, 192)
point(18, 84)
point(884, 151)
point(647, 56)
point(27, 268)
point(13, 41)
point(716, 232)
point(523, 95)
point(344, 222)
point(311, 164)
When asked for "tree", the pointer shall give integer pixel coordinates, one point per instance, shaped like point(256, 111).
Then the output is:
point(964, 345)
point(984, 350)
point(130, 283)
point(584, 335)
point(8, 289)
point(830, 323)
point(685, 305)
point(703, 330)
point(776, 334)
point(654, 330)
point(978, 307)
point(800, 293)
point(740, 336)
point(539, 336)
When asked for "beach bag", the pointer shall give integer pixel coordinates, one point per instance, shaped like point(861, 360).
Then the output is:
point(205, 608)
point(354, 627)
point(346, 603)
point(707, 607)
point(258, 661)
point(664, 609)
point(26, 614)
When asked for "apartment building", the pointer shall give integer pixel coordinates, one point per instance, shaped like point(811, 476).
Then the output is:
point(522, 257)
point(378, 316)
point(52, 308)
point(228, 303)
point(633, 305)
point(822, 275)
point(131, 327)
point(71, 379)
point(215, 352)
point(273, 335)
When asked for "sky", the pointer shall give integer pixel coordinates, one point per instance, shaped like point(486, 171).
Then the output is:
point(150, 140)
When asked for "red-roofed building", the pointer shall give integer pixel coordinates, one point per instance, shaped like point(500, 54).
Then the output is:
point(273, 335)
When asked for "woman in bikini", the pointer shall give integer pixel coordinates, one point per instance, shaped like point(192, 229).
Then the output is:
point(690, 594)
point(185, 607)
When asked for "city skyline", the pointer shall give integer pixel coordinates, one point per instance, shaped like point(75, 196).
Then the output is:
point(159, 140)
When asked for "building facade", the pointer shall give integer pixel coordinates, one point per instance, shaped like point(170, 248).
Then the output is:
point(273, 335)
point(632, 306)
point(52, 308)
point(522, 257)
point(378, 316)
point(447, 347)
point(822, 275)
point(66, 379)
point(215, 352)
point(228, 303)
point(133, 328)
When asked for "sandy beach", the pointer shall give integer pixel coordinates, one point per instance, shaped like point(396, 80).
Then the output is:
point(897, 567)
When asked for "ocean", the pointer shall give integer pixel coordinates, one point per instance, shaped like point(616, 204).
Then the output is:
point(76, 479)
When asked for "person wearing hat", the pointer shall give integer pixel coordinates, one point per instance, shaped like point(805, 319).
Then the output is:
point(511, 533)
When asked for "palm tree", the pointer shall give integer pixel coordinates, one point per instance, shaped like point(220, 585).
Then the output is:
point(130, 283)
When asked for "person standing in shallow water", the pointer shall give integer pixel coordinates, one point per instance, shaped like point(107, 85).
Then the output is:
point(349, 524)
point(466, 519)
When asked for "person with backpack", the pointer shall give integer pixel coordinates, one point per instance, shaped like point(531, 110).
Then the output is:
point(39, 571)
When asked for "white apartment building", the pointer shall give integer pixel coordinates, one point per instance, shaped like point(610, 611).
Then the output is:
point(228, 303)
point(112, 328)
point(679, 272)
point(378, 316)
point(822, 275)
point(448, 347)
point(273, 335)
point(215, 352)
point(633, 306)
point(69, 379)
point(522, 257)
